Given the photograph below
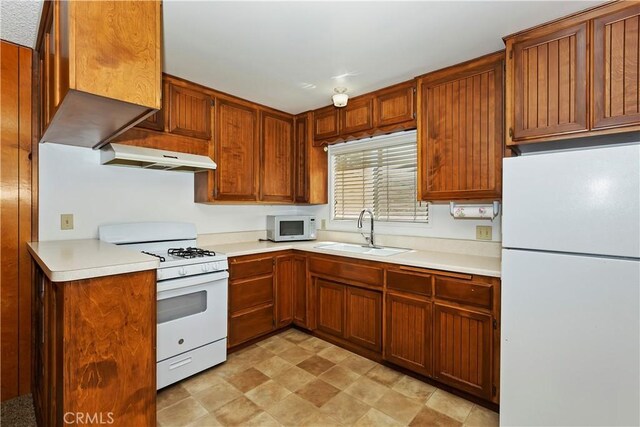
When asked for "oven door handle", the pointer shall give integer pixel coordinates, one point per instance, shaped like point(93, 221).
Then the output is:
point(187, 282)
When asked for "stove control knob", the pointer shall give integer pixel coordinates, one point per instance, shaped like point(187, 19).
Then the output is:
point(182, 271)
point(205, 268)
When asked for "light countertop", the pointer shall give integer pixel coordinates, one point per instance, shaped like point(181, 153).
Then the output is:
point(455, 262)
point(67, 260)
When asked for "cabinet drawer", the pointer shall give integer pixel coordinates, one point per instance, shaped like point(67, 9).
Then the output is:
point(410, 282)
point(476, 294)
point(347, 271)
point(239, 268)
point(250, 293)
point(250, 325)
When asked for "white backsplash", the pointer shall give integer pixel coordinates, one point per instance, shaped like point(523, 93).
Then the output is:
point(466, 247)
point(72, 180)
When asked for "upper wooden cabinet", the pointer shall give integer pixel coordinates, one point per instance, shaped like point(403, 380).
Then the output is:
point(325, 123)
point(395, 105)
point(382, 111)
point(153, 122)
point(277, 158)
point(460, 139)
point(183, 124)
point(357, 116)
point(236, 151)
point(616, 60)
point(101, 68)
point(550, 86)
point(189, 112)
point(311, 182)
point(574, 77)
point(301, 176)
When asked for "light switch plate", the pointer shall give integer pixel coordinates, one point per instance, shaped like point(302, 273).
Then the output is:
point(484, 232)
point(323, 224)
point(66, 222)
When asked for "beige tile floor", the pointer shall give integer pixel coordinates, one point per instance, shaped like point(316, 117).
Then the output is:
point(294, 379)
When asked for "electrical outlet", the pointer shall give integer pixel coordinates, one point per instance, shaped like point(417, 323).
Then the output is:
point(323, 224)
point(66, 222)
point(483, 232)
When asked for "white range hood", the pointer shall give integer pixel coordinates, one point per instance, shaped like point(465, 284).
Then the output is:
point(151, 158)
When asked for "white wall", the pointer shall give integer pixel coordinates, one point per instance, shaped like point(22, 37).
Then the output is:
point(72, 180)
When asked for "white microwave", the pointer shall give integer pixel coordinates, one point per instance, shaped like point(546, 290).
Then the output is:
point(287, 228)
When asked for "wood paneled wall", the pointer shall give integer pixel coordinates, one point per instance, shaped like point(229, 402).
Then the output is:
point(16, 220)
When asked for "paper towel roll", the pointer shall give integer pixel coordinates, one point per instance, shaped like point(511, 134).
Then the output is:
point(473, 212)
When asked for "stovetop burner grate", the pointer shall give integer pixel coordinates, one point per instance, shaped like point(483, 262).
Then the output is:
point(190, 252)
point(160, 257)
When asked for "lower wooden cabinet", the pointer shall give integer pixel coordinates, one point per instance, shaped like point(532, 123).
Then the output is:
point(463, 350)
point(330, 314)
point(438, 324)
point(364, 318)
point(95, 349)
point(284, 290)
point(266, 292)
point(345, 304)
point(251, 297)
point(408, 321)
point(300, 293)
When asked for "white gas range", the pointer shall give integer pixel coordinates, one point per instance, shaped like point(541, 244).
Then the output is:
point(191, 293)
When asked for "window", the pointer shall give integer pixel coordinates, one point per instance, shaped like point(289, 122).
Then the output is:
point(379, 174)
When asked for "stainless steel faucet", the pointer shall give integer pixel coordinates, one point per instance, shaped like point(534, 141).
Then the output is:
point(370, 240)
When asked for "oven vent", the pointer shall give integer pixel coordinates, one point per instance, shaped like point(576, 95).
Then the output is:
point(151, 158)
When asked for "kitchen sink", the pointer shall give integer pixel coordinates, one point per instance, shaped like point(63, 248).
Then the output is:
point(359, 249)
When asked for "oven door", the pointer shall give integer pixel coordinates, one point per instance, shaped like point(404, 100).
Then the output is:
point(292, 228)
point(192, 312)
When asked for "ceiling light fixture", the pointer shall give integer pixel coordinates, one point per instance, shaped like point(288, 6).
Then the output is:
point(340, 97)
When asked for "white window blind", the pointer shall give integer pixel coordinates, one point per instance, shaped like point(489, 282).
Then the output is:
point(383, 178)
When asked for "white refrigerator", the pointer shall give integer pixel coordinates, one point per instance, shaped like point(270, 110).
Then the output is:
point(570, 331)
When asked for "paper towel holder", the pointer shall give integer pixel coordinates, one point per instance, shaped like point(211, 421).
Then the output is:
point(496, 209)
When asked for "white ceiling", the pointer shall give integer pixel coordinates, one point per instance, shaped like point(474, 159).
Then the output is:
point(19, 20)
point(269, 51)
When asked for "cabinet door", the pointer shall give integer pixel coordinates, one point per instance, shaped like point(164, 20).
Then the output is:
point(153, 122)
point(357, 116)
point(284, 290)
point(330, 307)
point(408, 331)
point(301, 153)
point(616, 57)
point(236, 152)
point(277, 158)
point(549, 84)
point(463, 351)
point(299, 278)
point(325, 123)
point(364, 318)
point(460, 137)
point(395, 106)
point(189, 112)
